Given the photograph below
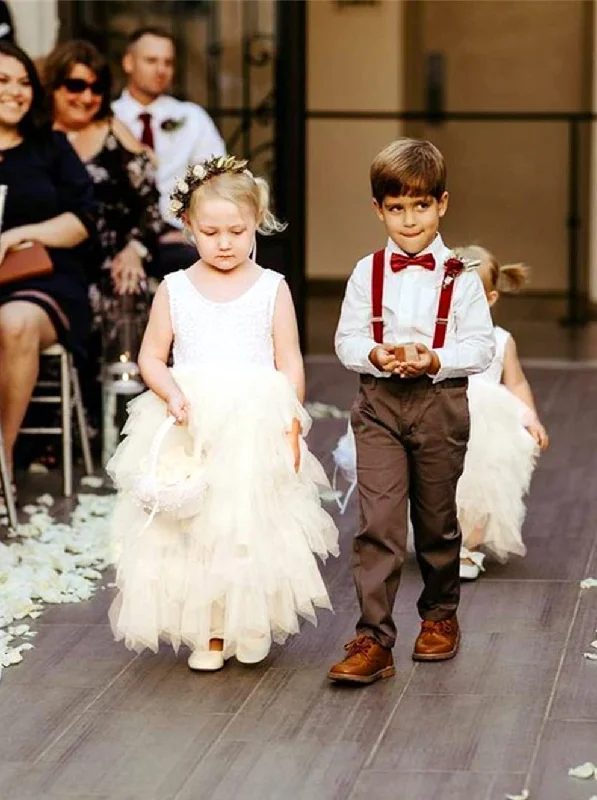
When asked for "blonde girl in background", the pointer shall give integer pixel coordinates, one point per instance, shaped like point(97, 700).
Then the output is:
point(229, 566)
point(506, 436)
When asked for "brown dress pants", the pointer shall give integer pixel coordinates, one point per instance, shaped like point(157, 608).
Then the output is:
point(411, 438)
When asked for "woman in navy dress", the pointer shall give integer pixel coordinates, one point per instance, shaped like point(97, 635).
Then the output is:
point(51, 200)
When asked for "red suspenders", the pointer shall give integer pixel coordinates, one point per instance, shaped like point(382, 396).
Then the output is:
point(453, 267)
point(377, 295)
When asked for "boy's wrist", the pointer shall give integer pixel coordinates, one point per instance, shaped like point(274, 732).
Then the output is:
point(373, 357)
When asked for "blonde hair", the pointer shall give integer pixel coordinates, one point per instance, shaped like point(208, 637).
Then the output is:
point(412, 167)
point(241, 188)
point(496, 277)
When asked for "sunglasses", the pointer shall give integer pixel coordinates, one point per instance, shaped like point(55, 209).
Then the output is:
point(78, 86)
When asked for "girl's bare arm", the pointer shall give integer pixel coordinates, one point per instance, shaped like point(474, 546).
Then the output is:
point(515, 381)
point(155, 349)
point(287, 351)
point(514, 378)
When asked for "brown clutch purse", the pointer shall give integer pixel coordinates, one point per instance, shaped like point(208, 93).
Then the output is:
point(28, 260)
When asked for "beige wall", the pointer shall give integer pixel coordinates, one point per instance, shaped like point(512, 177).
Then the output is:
point(36, 22)
point(508, 181)
point(354, 62)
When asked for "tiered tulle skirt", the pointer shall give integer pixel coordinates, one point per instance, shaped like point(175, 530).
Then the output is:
point(497, 473)
point(243, 567)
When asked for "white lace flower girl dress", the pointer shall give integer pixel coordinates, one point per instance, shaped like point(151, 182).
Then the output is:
point(242, 568)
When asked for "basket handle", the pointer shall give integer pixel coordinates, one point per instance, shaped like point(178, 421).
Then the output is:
point(154, 453)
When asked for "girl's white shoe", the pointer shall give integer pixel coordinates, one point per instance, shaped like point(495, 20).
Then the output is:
point(471, 571)
point(252, 651)
point(206, 660)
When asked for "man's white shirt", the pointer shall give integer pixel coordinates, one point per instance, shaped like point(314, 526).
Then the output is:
point(410, 304)
point(192, 138)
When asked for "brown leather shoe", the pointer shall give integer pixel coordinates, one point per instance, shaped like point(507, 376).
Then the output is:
point(366, 662)
point(438, 641)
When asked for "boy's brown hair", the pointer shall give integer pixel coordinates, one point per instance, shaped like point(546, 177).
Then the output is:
point(409, 167)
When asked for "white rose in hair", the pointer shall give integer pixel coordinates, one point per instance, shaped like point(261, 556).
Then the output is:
point(175, 206)
point(183, 187)
point(199, 171)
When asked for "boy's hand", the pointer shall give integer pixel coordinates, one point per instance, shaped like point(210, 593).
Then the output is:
point(383, 358)
point(539, 434)
point(426, 364)
point(178, 407)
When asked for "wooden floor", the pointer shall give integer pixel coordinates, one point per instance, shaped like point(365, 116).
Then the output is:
point(84, 718)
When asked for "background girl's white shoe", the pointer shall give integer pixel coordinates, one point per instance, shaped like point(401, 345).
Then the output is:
point(252, 651)
point(206, 660)
point(471, 564)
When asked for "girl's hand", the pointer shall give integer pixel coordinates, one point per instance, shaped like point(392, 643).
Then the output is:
point(178, 407)
point(539, 434)
point(293, 436)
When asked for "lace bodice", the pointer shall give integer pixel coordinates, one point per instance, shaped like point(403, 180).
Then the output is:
point(206, 331)
point(493, 373)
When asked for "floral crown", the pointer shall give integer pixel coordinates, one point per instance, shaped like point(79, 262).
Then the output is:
point(198, 174)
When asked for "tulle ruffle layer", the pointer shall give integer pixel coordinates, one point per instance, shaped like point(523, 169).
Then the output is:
point(243, 567)
point(499, 464)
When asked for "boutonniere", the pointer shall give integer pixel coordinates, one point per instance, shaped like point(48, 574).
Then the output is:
point(452, 269)
point(171, 125)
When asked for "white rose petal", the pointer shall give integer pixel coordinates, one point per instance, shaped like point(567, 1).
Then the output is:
point(19, 630)
point(11, 657)
point(590, 656)
point(588, 583)
point(584, 771)
point(183, 187)
point(523, 796)
point(199, 171)
point(92, 481)
point(329, 495)
point(51, 562)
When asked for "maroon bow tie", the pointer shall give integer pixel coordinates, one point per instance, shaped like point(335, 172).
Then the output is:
point(399, 262)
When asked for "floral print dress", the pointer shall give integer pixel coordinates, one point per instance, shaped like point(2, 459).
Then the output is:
point(128, 202)
point(128, 205)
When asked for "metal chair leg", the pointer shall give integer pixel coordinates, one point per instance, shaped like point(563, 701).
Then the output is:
point(7, 486)
point(82, 424)
point(66, 408)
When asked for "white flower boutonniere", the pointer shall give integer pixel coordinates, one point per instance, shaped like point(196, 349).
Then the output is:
point(172, 125)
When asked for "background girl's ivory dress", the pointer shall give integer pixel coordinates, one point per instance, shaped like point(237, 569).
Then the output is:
point(499, 462)
point(243, 566)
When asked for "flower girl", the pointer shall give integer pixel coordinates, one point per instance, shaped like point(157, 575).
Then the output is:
point(506, 437)
point(219, 516)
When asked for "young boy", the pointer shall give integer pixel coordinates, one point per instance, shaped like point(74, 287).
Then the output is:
point(410, 417)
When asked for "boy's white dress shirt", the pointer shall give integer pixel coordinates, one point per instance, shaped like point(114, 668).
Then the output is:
point(194, 138)
point(410, 301)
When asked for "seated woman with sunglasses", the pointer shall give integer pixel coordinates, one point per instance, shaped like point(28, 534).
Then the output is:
point(50, 200)
point(78, 82)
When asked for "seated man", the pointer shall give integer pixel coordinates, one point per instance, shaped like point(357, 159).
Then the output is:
point(179, 133)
